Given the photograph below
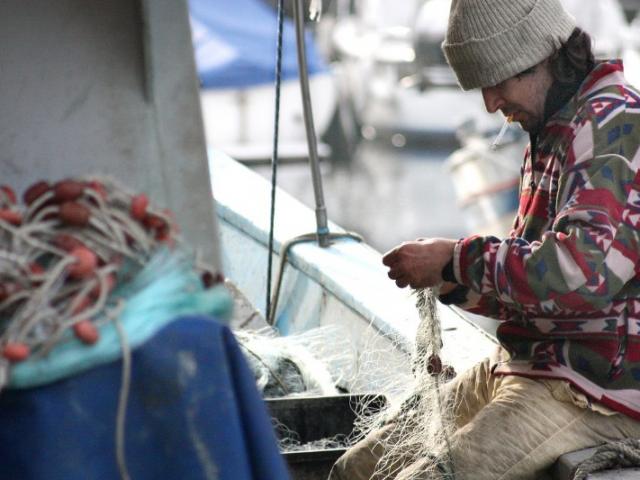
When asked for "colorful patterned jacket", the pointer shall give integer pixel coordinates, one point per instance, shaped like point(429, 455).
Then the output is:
point(566, 281)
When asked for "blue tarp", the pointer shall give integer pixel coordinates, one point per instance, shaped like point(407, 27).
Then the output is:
point(235, 44)
point(193, 413)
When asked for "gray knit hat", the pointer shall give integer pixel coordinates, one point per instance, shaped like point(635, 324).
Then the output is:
point(488, 41)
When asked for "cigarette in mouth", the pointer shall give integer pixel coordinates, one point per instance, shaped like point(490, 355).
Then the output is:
point(503, 130)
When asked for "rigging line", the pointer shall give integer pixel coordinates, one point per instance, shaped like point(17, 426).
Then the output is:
point(123, 400)
point(274, 159)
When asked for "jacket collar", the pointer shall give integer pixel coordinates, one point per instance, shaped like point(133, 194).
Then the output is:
point(604, 74)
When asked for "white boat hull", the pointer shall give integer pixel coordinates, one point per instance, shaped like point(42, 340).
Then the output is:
point(238, 122)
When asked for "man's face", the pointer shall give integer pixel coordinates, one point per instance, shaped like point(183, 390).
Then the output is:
point(523, 96)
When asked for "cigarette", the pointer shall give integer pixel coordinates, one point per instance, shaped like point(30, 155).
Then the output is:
point(503, 130)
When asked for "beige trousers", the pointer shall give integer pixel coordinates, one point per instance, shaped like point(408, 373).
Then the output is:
point(507, 428)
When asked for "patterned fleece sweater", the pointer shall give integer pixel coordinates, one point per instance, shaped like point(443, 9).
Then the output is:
point(566, 281)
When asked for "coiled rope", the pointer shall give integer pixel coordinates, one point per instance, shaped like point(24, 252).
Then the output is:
point(621, 454)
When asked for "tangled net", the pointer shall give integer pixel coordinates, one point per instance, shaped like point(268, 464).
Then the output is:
point(62, 252)
point(289, 440)
point(419, 428)
point(308, 363)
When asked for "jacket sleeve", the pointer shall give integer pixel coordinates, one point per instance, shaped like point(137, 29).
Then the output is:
point(486, 305)
point(591, 249)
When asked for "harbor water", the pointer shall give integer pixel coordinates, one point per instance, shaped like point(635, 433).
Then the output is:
point(385, 193)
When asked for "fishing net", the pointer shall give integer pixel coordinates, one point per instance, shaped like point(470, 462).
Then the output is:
point(289, 440)
point(416, 417)
point(418, 427)
point(73, 256)
point(309, 363)
point(89, 271)
point(320, 362)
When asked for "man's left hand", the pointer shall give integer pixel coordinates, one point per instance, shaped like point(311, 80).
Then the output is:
point(419, 263)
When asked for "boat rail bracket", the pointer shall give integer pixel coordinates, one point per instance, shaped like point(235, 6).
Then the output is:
point(284, 252)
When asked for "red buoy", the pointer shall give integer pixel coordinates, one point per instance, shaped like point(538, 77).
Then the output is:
point(139, 205)
point(86, 332)
point(209, 279)
point(74, 214)
point(11, 216)
point(35, 191)
point(99, 188)
point(10, 193)
point(16, 351)
point(153, 222)
point(85, 264)
point(68, 190)
point(434, 365)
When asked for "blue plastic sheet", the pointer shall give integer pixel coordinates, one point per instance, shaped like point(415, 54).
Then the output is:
point(193, 413)
point(235, 44)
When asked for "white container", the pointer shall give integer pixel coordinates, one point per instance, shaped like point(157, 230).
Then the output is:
point(487, 183)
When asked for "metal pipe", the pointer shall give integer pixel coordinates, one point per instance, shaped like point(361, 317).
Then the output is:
point(321, 210)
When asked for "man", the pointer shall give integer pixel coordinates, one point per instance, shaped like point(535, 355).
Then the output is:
point(565, 283)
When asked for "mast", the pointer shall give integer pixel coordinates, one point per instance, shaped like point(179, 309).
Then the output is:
point(312, 145)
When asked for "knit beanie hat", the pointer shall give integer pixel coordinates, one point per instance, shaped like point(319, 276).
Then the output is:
point(489, 41)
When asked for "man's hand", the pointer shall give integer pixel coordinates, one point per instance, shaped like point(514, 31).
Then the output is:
point(419, 263)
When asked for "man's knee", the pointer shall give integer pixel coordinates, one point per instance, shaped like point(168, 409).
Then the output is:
point(337, 471)
point(357, 463)
point(360, 462)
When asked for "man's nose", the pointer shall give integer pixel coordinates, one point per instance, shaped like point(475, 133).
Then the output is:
point(493, 101)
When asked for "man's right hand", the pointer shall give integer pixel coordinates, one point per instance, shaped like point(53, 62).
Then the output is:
point(419, 263)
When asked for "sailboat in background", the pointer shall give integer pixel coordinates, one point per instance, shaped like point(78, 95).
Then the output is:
point(234, 47)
